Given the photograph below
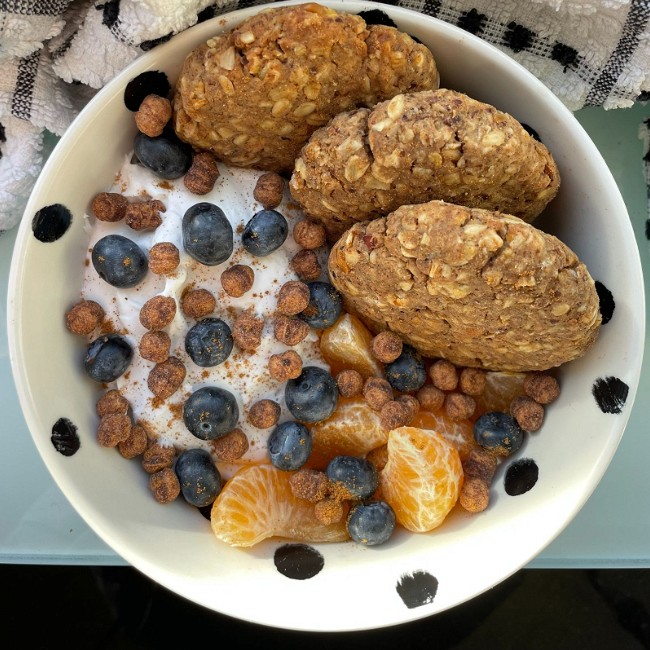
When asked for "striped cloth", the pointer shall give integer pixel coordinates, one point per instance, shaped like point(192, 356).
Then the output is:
point(55, 54)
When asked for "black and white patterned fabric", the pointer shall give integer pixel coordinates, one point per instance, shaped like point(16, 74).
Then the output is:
point(55, 54)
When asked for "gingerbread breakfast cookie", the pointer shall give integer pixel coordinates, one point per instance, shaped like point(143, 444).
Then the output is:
point(479, 288)
point(253, 96)
point(413, 148)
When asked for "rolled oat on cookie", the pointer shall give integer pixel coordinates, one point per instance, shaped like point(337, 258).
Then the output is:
point(417, 147)
point(254, 95)
point(482, 289)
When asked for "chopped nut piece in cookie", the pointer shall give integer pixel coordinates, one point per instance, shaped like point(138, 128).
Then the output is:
point(528, 413)
point(164, 258)
point(247, 331)
point(269, 190)
point(166, 378)
point(230, 447)
point(237, 280)
point(309, 234)
point(289, 331)
point(135, 444)
point(157, 457)
point(144, 215)
point(386, 346)
point(306, 266)
point(459, 406)
point(153, 115)
point(444, 375)
point(158, 312)
point(395, 414)
point(472, 381)
point(285, 366)
point(349, 382)
point(84, 317)
point(154, 346)
point(113, 429)
point(544, 389)
point(309, 484)
point(109, 206)
point(164, 485)
point(293, 298)
point(430, 398)
point(264, 414)
point(112, 402)
point(203, 173)
point(377, 392)
point(197, 303)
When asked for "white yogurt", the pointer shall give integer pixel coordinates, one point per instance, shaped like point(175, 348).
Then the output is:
point(244, 374)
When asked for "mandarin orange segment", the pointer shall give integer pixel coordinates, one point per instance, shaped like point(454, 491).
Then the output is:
point(500, 389)
point(353, 430)
point(347, 345)
point(459, 433)
point(257, 502)
point(422, 477)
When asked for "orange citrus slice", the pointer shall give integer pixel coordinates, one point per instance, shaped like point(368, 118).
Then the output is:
point(257, 502)
point(353, 430)
point(500, 389)
point(347, 345)
point(422, 477)
point(459, 433)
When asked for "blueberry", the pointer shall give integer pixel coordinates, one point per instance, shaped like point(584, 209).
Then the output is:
point(498, 432)
point(199, 477)
point(290, 446)
point(312, 396)
point(107, 358)
point(358, 475)
point(165, 155)
point(119, 261)
point(264, 233)
point(209, 342)
point(152, 82)
point(407, 373)
point(210, 412)
point(207, 234)
point(371, 523)
point(324, 306)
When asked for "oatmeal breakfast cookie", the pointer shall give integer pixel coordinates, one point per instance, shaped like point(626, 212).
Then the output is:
point(253, 96)
point(479, 288)
point(434, 144)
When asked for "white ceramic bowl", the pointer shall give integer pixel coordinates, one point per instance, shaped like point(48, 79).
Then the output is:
point(412, 576)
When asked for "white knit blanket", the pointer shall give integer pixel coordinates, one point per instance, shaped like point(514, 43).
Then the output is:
point(55, 54)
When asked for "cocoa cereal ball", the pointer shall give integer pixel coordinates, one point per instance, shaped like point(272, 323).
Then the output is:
point(329, 511)
point(269, 190)
point(164, 258)
point(394, 414)
point(112, 402)
point(153, 115)
point(230, 447)
point(109, 206)
point(472, 381)
point(386, 346)
point(237, 280)
point(158, 312)
point(378, 457)
point(197, 303)
point(377, 392)
point(247, 331)
point(544, 389)
point(444, 375)
point(264, 414)
point(289, 331)
point(84, 317)
point(157, 457)
point(411, 402)
point(166, 378)
point(528, 413)
point(285, 366)
point(293, 298)
point(309, 234)
point(459, 406)
point(113, 429)
point(474, 495)
point(164, 485)
point(349, 382)
point(306, 266)
point(430, 397)
point(480, 463)
point(202, 174)
point(155, 345)
point(135, 444)
point(309, 484)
